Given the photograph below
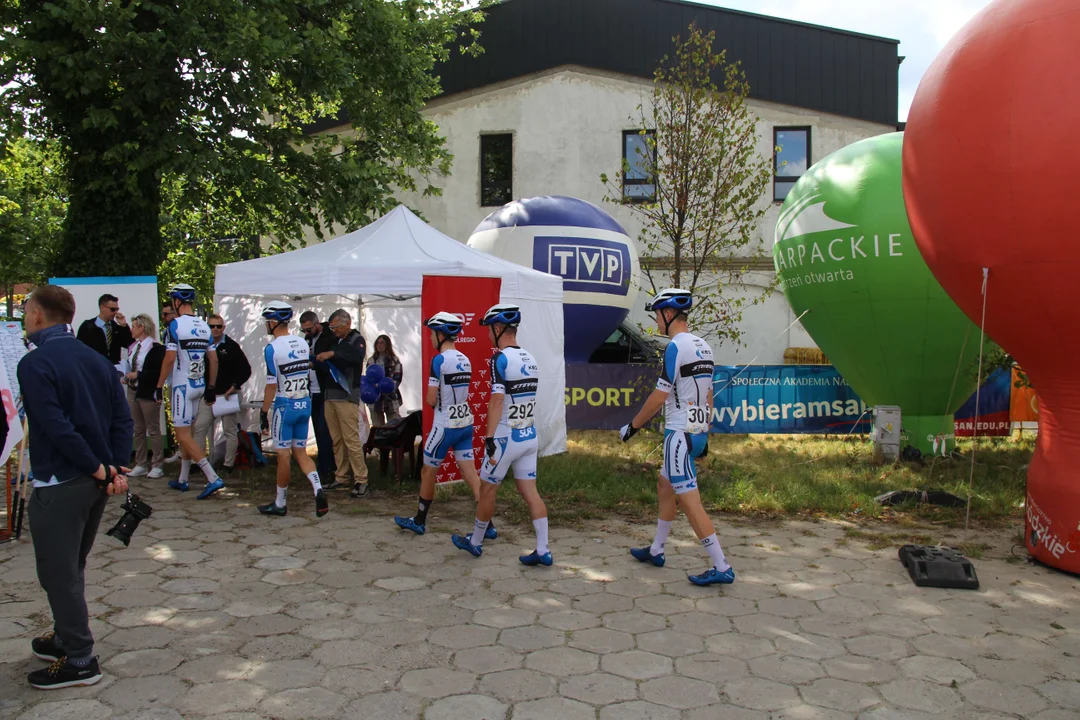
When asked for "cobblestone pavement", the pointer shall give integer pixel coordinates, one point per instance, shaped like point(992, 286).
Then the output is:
point(216, 612)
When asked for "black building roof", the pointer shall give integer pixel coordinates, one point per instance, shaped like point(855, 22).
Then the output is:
point(786, 62)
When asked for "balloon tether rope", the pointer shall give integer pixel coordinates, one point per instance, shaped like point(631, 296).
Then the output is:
point(952, 391)
point(978, 392)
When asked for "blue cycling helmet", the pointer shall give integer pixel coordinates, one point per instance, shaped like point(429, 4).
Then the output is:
point(503, 314)
point(446, 323)
point(673, 298)
point(182, 292)
point(277, 311)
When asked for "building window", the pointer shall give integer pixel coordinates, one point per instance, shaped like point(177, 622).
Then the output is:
point(639, 160)
point(496, 169)
point(792, 158)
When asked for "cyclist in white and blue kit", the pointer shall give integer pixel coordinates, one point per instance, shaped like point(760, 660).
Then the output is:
point(449, 382)
point(191, 370)
point(511, 440)
point(685, 392)
point(288, 398)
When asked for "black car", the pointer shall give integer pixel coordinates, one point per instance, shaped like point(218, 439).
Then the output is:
point(628, 344)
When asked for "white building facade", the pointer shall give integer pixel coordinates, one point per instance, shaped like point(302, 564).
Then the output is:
point(562, 124)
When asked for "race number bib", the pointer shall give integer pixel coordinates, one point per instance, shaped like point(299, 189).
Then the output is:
point(459, 416)
point(697, 419)
point(196, 367)
point(294, 387)
point(520, 415)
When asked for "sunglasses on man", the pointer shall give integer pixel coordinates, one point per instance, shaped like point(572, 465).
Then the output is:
point(112, 308)
point(216, 327)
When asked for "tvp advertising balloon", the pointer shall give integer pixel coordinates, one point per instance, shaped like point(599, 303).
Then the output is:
point(844, 251)
point(580, 243)
point(989, 163)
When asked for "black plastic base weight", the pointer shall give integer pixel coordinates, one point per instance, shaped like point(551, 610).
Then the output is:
point(941, 567)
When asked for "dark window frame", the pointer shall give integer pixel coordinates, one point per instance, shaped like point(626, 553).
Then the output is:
point(638, 181)
point(487, 191)
point(777, 129)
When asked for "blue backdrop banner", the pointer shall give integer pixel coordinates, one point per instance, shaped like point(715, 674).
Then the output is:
point(785, 399)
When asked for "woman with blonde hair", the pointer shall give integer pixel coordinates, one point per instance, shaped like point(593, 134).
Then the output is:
point(141, 370)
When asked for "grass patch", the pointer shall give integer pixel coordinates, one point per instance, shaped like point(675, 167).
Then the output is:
point(757, 477)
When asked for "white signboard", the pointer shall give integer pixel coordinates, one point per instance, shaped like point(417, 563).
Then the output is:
point(11, 351)
point(135, 294)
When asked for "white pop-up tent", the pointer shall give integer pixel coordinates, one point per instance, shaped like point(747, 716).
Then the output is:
point(376, 273)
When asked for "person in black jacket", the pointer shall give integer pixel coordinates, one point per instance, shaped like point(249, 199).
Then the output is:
point(142, 369)
point(320, 340)
point(344, 362)
point(108, 332)
point(80, 438)
point(233, 371)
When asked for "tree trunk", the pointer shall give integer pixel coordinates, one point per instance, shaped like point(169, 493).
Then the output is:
point(113, 222)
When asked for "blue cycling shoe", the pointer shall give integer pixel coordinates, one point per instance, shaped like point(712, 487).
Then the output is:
point(463, 543)
point(410, 524)
point(645, 555)
point(535, 558)
point(712, 576)
point(211, 488)
point(491, 533)
point(177, 485)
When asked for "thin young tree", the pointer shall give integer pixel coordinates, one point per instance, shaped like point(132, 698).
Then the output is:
point(698, 181)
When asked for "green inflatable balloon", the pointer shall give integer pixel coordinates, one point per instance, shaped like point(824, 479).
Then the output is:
point(844, 251)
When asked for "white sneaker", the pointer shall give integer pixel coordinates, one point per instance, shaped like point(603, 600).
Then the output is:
point(137, 471)
point(173, 458)
point(155, 473)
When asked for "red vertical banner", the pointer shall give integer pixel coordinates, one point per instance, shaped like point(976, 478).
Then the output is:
point(469, 297)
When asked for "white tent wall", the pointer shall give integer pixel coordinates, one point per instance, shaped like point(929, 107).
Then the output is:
point(382, 266)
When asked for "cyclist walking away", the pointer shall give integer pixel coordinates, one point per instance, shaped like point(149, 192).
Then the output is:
point(685, 392)
point(286, 407)
point(511, 440)
point(452, 428)
point(191, 370)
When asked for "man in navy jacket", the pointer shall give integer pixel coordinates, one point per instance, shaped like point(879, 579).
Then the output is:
point(81, 433)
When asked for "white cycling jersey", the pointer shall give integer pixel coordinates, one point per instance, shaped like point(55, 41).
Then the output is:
point(287, 366)
point(189, 338)
point(688, 379)
point(451, 372)
point(514, 373)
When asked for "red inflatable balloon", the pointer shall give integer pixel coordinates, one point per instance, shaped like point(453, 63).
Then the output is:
point(991, 155)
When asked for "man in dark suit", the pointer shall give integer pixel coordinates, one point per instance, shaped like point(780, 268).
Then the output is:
point(320, 339)
point(108, 332)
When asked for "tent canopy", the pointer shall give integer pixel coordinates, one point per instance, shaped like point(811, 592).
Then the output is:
point(389, 258)
point(377, 274)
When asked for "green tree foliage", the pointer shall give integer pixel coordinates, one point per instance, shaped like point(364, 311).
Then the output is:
point(213, 98)
point(699, 150)
point(33, 202)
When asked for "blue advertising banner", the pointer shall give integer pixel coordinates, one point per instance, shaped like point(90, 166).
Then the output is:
point(994, 400)
point(785, 399)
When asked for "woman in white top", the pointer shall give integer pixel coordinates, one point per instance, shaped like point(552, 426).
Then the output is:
point(141, 370)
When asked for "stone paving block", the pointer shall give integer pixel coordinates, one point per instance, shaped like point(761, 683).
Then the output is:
point(788, 669)
point(1061, 692)
point(278, 647)
point(576, 587)
point(250, 608)
point(934, 669)
point(215, 668)
point(879, 647)
point(598, 689)
point(601, 603)
point(397, 706)
point(542, 602)
point(922, 695)
point(435, 683)
point(312, 609)
point(761, 694)
point(221, 697)
point(562, 662)
point(602, 640)
point(474, 707)
point(264, 625)
point(161, 713)
point(286, 674)
point(804, 711)
point(139, 638)
point(788, 607)
point(552, 708)
point(513, 686)
point(303, 703)
point(290, 577)
point(895, 626)
point(639, 710)
point(464, 636)
point(1003, 697)
point(281, 563)
point(766, 626)
point(726, 606)
point(711, 668)
point(144, 692)
point(569, 620)
point(488, 659)
point(739, 646)
point(634, 621)
point(726, 711)
point(503, 617)
point(637, 664)
point(955, 648)
point(636, 588)
point(811, 647)
point(139, 663)
point(526, 639)
point(398, 584)
point(671, 643)
point(678, 692)
point(664, 604)
point(81, 709)
point(861, 669)
point(840, 695)
point(699, 623)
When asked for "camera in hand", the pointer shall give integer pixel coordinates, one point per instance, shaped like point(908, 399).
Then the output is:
point(135, 511)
